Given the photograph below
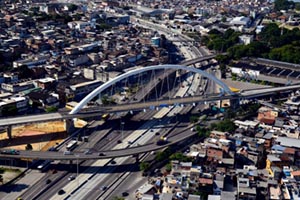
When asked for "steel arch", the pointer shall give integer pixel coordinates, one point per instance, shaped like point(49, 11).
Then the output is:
point(109, 83)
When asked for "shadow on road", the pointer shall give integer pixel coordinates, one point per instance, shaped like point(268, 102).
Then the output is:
point(13, 188)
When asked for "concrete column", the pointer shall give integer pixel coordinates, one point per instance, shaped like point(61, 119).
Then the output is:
point(136, 158)
point(9, 130)
point(234, 103)
point(69, 126)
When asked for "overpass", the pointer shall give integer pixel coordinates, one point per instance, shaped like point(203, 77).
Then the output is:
point(52, 155)
point(96, 111)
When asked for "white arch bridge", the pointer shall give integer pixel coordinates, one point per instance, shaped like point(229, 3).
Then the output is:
point(111, 82)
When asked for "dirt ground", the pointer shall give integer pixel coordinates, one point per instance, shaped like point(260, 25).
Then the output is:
point(47, 132)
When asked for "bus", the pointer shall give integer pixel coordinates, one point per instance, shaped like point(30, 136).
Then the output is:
point(71, 145)
point(44, 165)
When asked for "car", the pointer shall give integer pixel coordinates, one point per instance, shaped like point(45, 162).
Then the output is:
point(103, 188)
point(71, 178)
point(102, 154)
point(130, 142)
point(119, 141)
point(151, 130)
point(87, 152)
point(113, 162)
point(60, 192)
point(54, 171)
point(125, 194)
point(157, 133)
point(48, 181)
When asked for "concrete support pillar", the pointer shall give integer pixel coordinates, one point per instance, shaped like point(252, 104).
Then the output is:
point(9, 130)
point(234, 104)
point(69, 126)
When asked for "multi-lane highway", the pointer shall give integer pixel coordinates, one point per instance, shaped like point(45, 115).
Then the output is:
point(145, 105)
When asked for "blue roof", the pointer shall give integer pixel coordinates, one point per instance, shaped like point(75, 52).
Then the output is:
point(277, 147)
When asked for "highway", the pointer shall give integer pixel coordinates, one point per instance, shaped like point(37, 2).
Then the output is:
point(144, 105)
point(91, 179)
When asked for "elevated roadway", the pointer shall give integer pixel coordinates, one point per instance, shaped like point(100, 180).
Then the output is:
point(51, 155)
point(143, 105)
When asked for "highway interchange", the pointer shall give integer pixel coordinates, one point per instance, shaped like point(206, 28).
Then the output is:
point(93, 175)
point(107, 177)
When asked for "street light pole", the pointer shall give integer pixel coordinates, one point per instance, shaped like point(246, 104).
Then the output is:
point(122, 128)
point(77, 171)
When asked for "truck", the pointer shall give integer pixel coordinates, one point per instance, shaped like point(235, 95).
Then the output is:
point(162, 141)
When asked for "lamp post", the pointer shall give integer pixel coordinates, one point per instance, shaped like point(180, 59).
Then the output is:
point(122, 128)
point(77, 170)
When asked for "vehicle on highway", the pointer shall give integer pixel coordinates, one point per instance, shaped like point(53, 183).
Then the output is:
point(105, 116)
point(103, 188)
point(68, 153)
point(44, 166)
point(130, 142)
point(87, 152)
point(113, 162)
point(102, 154)
point(125, 194)
point(71, 178)
point(48, 181)
point(157, 133)
point(71, 145)
point(119, 141)
point(162, 140)
point(61, 192)
point(10, 152)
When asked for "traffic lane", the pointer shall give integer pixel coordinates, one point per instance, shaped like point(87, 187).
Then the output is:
point(109, 180)
point(108, 154)
point(42, 185)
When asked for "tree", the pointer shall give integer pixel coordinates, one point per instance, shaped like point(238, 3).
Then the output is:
point(224, 126)
point(144, 166)
point(118, 198)
point(28, 147)
point(72, 7)
point(169, 167)
point(180, 157)
point(283, 5)
point(51, 109)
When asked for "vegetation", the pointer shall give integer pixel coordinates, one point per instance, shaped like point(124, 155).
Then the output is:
point(202, 131)
point(272, 43)
point(168, 167)
point(194, 119)
point(283, 5)
point(224, 126)
point(144, 166)
point(180, 157)
point(51, 109)
point(221, 41)
point(118, 198)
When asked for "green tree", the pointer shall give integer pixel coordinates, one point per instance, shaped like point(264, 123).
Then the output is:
point(225, 126)
point(28, 147)
point(180, 157)
point(283, 5)
point(144, 166)
point(194, 119)
point(118, 198)
point(169, 167)
point(51, 109)
point(72, 7)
